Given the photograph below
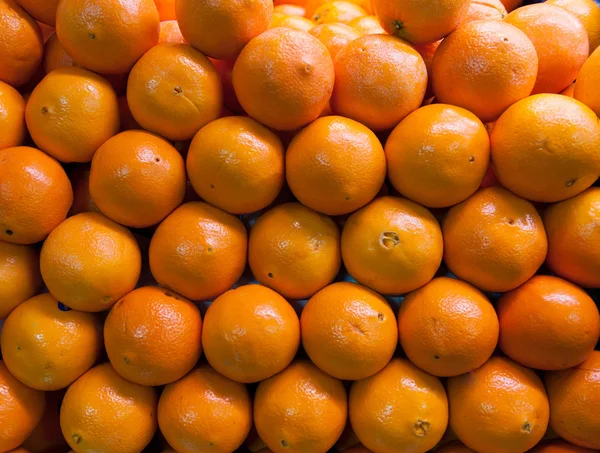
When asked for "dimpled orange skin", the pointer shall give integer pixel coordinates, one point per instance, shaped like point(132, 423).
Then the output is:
point(19, 274)
point(250, 334)
point(367, 25)
point(392, 245)
point(588, 81)
point(35, 195)
point(335, 165)
point(294, 250)
point(21, 409)
point(42, 10)
point(12, 117)
point(335, 36)
point(494, 240)
point(379, 79)
point(507, 74)
point(71, 113)
point(101, 411)
point(559, 446)
point(48, 348)
point(337, 11)
point(107, 36)
point(284, 78)
point(300, 409)
point(401, 408)
point(349, 331)
point(198, 251)
point(236, 164)
point(174, 90)
point(166, 9)
point(170, 33)
point(206, 412)
point(574, 398)
point(284, 20)
point(485, 10)
point(89, 262)
point(588, 12)
point(438, 155)
point(544, 148)
point(505, 402)
point(55, 55)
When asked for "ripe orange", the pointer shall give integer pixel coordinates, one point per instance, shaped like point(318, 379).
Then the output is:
point(337, 11)
point(198, 251)
point(588, 80)
point(205, 411)
point(19, 274)
point(506, 403)
point(506, 73)
point(166, 9)
point(485, 10)
point(335, 36)
point(170, 33)
point(544, 148)
point(82, 200)
point(569, 91)
point(392, 245)
point(55, 55)
point(401, 408)
point(427, 52)
point(47, 436)
point(290, 9)
point(42, 10)
point(559, 446)
point(494, 240)
point(297, 22)
point(312, 5)
point(367, 25)
point(284, 78)
point(588, 12)
point(294, 250)
point(12, 117)
point(379, 98)
point(300, 409)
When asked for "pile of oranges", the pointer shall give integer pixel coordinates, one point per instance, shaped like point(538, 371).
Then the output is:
point(297, 226)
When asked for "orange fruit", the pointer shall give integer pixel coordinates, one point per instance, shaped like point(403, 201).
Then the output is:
point(284, 78)
point(506, 74)
point(401, 408)
point(335, 36)
point(511, 5)
point(47, 30)
point(128, 122)
point(48, 346)
point(21, 44)
point(367, 25)
point(294, 250)
point(588, 12)
point(166, 9)
point(101, 411)
point(392, 245)
point(107, 36)
point(42, 10)
point(569, 91)
point(300, 409)
point(573, 241)
point(198, 251)
point(71, 113)
point(586, 87)
point(12, 117)
point(236, 164)
point(427, 52)
point(89, 262)
point(170, 33)
point(559, 446)
point(55, 55)
point(312, 5)
point(419, 22)
point(379, 99)
point(35, 195)
point(438, 155)
point(21, 409)
point(19, 274)
point(447, 327)
point(225, 70)
point(505, 402)
point(47, 436)
point(297, 22)
point(82, 200)
point(250, 334)
point(349, 331)
point(485, 10)
point(494, 240)
point(337, 11)
point(544, 148)
point(574, 397)
point(335, 165)
point(290, 9)
point(205, 411)
point(174, 90)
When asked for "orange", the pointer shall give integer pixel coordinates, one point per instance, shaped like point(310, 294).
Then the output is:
point(128, 122)
point(379, 79)
point(71, 113)
point(205, 411)
point(250, 334)
point(47, 30)
point(511, 5)
point(438, 155)
point(485, 10)
point(174, 90)
point(290, 9)
point(420, 22)
point(349, 331)
point(55, 55)
point(498, 407)
point(494, 240)
point(401, 408)
point(573, 228)
point(569, 91)
point(89, 262)
point(82, 200)
point(335, 36)
point(47, 436)
point(367, 25)
point(21, 409)
point(21, 44)
point(574, 398)
point(588, 12)
point(225, 70)
point(103, 412)
point(236, 164)
point(392, 245)
point(506, 74)
point(300, 409)
point(107, 36)
point(337, 11)
point(170, 33)
point(153, 335)
point(454, 447)
point(42, 10)
point(447, 327)
point(588, 80)
point(283, 20)
point(559, 446)
point(12, 117)
point(198, 251)
point(19, 274)
point(335, 165)
point(48, 346)
point(35, 195)
point(294, 250)
point(427, 52)
point(312, 5)
point(544, 148)
point(166, 9)
point(284, 78)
